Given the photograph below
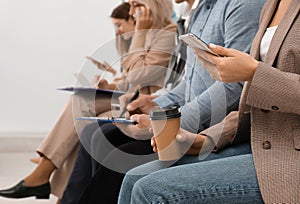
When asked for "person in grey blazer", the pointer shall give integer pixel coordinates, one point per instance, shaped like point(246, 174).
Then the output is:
point(269, 115)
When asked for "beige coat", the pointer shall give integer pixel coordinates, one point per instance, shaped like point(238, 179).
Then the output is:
point(146, 68)
point(146, 62)
point(272, 100)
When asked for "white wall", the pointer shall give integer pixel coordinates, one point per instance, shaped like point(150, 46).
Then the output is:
point(42, 43)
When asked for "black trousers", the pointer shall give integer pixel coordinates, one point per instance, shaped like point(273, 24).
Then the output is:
point(105, 155)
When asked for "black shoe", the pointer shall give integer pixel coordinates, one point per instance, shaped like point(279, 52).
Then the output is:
point(21, 191)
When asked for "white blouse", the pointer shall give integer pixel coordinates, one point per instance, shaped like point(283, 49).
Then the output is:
point(266, 41)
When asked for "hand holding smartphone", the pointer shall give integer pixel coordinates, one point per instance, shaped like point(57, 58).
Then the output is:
point(102, 66)
point(201, 49)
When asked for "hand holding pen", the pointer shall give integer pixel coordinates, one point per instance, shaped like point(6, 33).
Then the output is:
point(134, 97)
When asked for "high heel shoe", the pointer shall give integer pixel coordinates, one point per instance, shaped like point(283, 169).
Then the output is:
point(21, 191)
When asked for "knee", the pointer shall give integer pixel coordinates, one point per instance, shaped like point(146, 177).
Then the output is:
point(138, 194)
point(88, 131)
point(129, 181)
point(101, 147)
point(99, 139)
point(126, 189)
point(147, 190)
point(96, 136)
point(86, 135)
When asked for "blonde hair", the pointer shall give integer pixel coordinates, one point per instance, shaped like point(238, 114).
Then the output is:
point(161, 12)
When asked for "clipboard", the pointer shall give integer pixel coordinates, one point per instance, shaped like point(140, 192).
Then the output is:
point(108, 120)
point(91, 90)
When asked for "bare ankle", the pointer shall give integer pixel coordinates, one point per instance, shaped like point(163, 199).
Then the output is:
point(32, 180)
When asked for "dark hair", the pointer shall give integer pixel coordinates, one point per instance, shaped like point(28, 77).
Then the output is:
point(121, 11)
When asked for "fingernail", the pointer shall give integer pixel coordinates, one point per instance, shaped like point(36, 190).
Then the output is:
point(129, 107)
point(179, 138)
point(211, 45)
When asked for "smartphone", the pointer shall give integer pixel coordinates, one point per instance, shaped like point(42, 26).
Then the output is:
point(194, 41)
point(105, 66)
point(109, 120)
point(101, 66)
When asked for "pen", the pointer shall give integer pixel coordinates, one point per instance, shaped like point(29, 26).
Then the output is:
point(134, 97)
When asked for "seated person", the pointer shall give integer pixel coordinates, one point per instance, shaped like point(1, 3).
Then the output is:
point(144, 64)
point(104, 144)
point(270, 118)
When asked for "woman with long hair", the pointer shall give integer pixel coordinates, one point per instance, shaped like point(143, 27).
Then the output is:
point(268, 116)
point(93, 180)
point(59, 149)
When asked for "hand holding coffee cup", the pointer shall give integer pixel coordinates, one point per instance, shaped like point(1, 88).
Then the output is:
point(165, 125)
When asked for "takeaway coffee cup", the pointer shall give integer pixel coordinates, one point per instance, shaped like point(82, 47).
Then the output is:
point(165, 124)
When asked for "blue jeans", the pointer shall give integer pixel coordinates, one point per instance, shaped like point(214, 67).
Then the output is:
point(219, 178)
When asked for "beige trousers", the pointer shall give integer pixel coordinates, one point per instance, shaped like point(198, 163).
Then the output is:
point(61, 145)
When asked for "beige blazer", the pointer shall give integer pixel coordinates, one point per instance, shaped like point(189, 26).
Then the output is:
point(145, 65)
point(271, 104)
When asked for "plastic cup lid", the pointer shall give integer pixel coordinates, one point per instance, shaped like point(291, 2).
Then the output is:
point(163, 114)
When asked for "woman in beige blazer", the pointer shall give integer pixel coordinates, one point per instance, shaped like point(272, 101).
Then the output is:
point(144, 67)
point(269, 116)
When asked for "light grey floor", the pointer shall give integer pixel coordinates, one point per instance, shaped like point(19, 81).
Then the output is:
point(13, 167)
